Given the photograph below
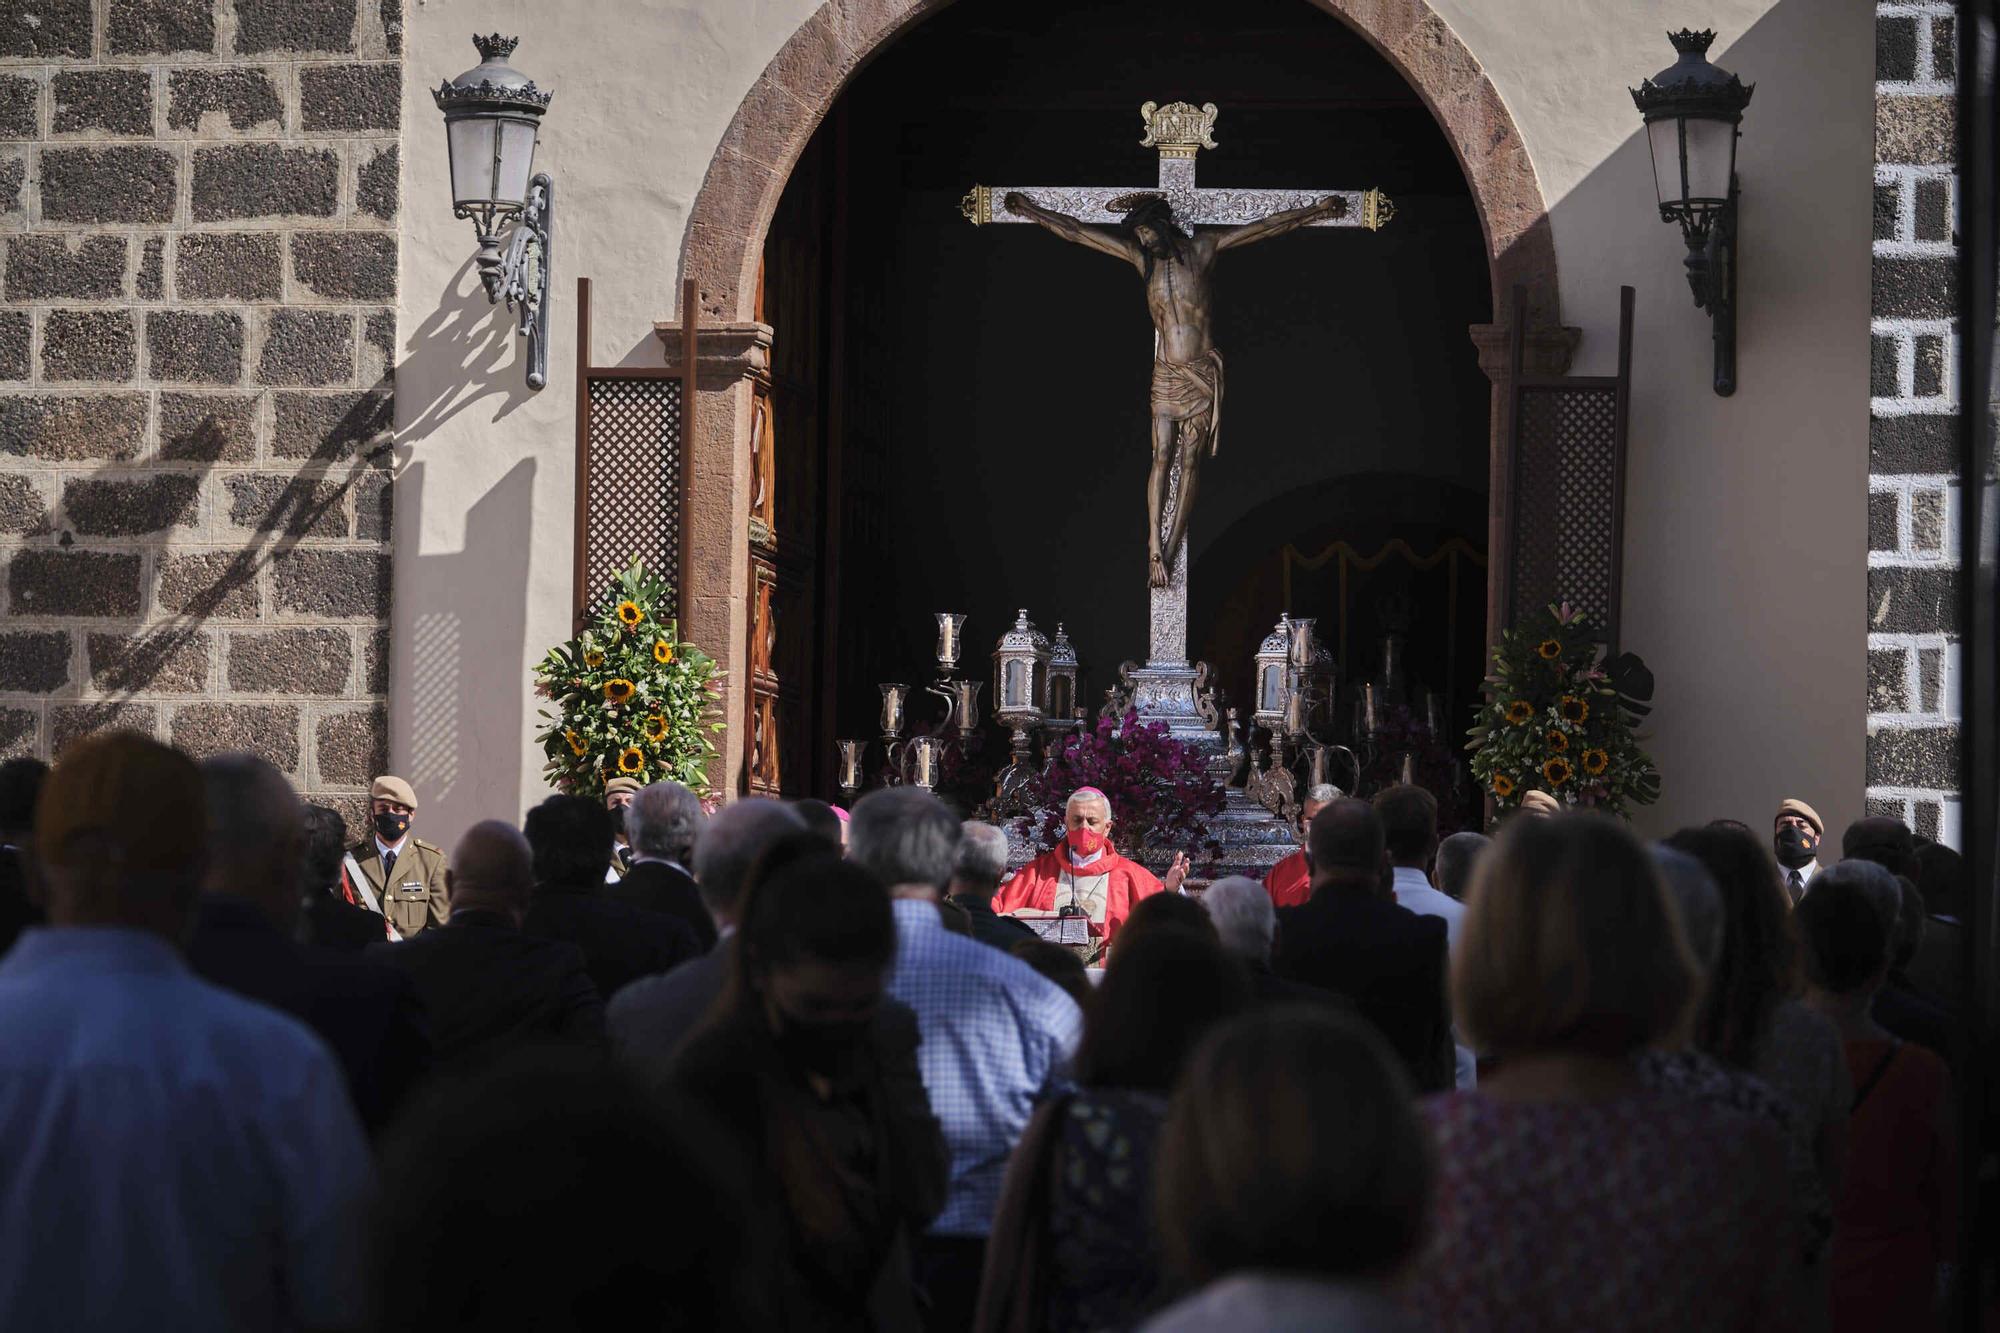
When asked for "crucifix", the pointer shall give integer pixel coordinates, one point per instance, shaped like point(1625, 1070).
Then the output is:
point(1155, 231)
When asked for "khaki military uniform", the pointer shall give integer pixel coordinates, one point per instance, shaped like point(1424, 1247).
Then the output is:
point(413, 898)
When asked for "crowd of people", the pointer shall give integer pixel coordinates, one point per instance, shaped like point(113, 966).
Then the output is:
point(635, 1065)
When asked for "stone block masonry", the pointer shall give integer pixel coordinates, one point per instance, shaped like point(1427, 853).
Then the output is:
point(198, 273)
point(1913, 587)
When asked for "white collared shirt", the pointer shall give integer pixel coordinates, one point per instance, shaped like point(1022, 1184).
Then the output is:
point(382, 849)
point(1804, 872)
point(1414, 891)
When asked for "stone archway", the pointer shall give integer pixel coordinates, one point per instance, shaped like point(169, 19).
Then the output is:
point(723, 246)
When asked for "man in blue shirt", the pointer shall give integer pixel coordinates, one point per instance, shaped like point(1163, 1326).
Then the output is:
point(177, 1156)
point(995, 1034)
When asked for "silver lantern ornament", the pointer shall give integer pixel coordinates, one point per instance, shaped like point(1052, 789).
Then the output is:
point(1274, 681)
point(1020, 674)
point(1064, 689)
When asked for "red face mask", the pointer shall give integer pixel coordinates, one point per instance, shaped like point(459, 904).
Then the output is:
point(1086, 842)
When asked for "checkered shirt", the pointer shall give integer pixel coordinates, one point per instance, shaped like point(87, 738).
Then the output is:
point(996, 1035)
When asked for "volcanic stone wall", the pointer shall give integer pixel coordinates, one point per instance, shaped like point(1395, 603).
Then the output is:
point(1913, 608)
point(197, 333)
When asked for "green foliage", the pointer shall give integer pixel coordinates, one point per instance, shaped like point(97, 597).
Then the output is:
point(631, 698)
point(1559, 716)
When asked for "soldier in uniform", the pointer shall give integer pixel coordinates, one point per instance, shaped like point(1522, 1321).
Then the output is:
point(404, 873)
point(618, 793)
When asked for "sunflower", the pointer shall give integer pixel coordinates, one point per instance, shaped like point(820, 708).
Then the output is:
point(1503, 786)
point(1520, 711)
point(576, 746)
point(663, 652)
point(629, 614)
point(1558, 742)
point(631, 759)
point(1557, 771)
point(618, 690)
point(593, 658)
point(1595, 762)
point(1550, 650)
point(656, 728)
point(1573, 709)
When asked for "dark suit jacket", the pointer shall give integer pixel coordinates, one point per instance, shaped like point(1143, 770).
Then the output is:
point(655, 886)
point(620, 943)
point(490, 987)
point(369, 1014)
point(988, 926)
point(16, 912)
point(331, 922)
point(735, 1071)
point(1909, 1013)
point(1387, 960)
point(651, 1019)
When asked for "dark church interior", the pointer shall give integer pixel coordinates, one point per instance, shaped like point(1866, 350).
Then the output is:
point(950, 398)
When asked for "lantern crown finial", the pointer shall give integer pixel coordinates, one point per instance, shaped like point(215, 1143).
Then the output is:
point(1689, 42)
point(1691, 86)
point(493, 83)
point(494, 48)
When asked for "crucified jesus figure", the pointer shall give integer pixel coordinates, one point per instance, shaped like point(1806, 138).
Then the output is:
point(1187, 368)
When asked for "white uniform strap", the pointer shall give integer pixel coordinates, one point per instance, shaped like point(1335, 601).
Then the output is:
point(361, 885)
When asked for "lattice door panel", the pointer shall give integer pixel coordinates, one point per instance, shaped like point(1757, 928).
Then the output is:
point(1566, 501)
point(634, 487)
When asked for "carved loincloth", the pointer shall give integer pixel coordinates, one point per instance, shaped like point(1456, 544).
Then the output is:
point(1190, 393)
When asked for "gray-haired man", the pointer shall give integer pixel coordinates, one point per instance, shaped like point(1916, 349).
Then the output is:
point(977, 868)
point(661, 824)
point(649, 1019)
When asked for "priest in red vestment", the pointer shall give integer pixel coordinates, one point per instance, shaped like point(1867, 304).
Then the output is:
point(1086, 872)
point(1290, 881)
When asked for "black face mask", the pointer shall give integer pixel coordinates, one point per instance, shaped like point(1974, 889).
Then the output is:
point(1795, 846)
point(390, 826)
point(827, 1049)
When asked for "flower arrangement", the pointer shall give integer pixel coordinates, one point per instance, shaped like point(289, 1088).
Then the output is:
point(632, 699)
point(1161, 792)
point(1559, 717)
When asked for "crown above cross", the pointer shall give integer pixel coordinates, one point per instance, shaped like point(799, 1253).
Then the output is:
point(1179, 130)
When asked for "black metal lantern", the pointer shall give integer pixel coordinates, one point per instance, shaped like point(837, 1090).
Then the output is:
point(1692, 110)
point(492, 114)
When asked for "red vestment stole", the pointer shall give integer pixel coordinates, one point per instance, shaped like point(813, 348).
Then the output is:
point(1289, 883)
point(1041, 884)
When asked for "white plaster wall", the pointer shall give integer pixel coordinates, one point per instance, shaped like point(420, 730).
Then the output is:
point(1746, 542)
point(643, 92)
point(1746, 532)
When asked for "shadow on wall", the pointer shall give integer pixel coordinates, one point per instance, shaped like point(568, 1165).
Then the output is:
point(1745, 569)
point(103, 505)
point(462, 619)
point(467, 346)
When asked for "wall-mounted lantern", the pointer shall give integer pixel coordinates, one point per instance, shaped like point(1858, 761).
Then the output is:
point(1692, 110)
point(492, 113)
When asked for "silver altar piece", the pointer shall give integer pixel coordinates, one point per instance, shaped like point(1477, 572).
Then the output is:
point(949, 625)
point(1020, 697)
point(1021, 674)
point(1273, 678)
point(1064, 689)
point(850, 753)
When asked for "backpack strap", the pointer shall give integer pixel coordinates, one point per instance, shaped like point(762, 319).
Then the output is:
point(1881, 1068)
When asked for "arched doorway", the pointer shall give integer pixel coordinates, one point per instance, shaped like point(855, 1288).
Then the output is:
point(725, 249)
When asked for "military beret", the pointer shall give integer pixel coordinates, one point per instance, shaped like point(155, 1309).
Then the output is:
point(1792, 805)
point(386, 788)
point(615, 785)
